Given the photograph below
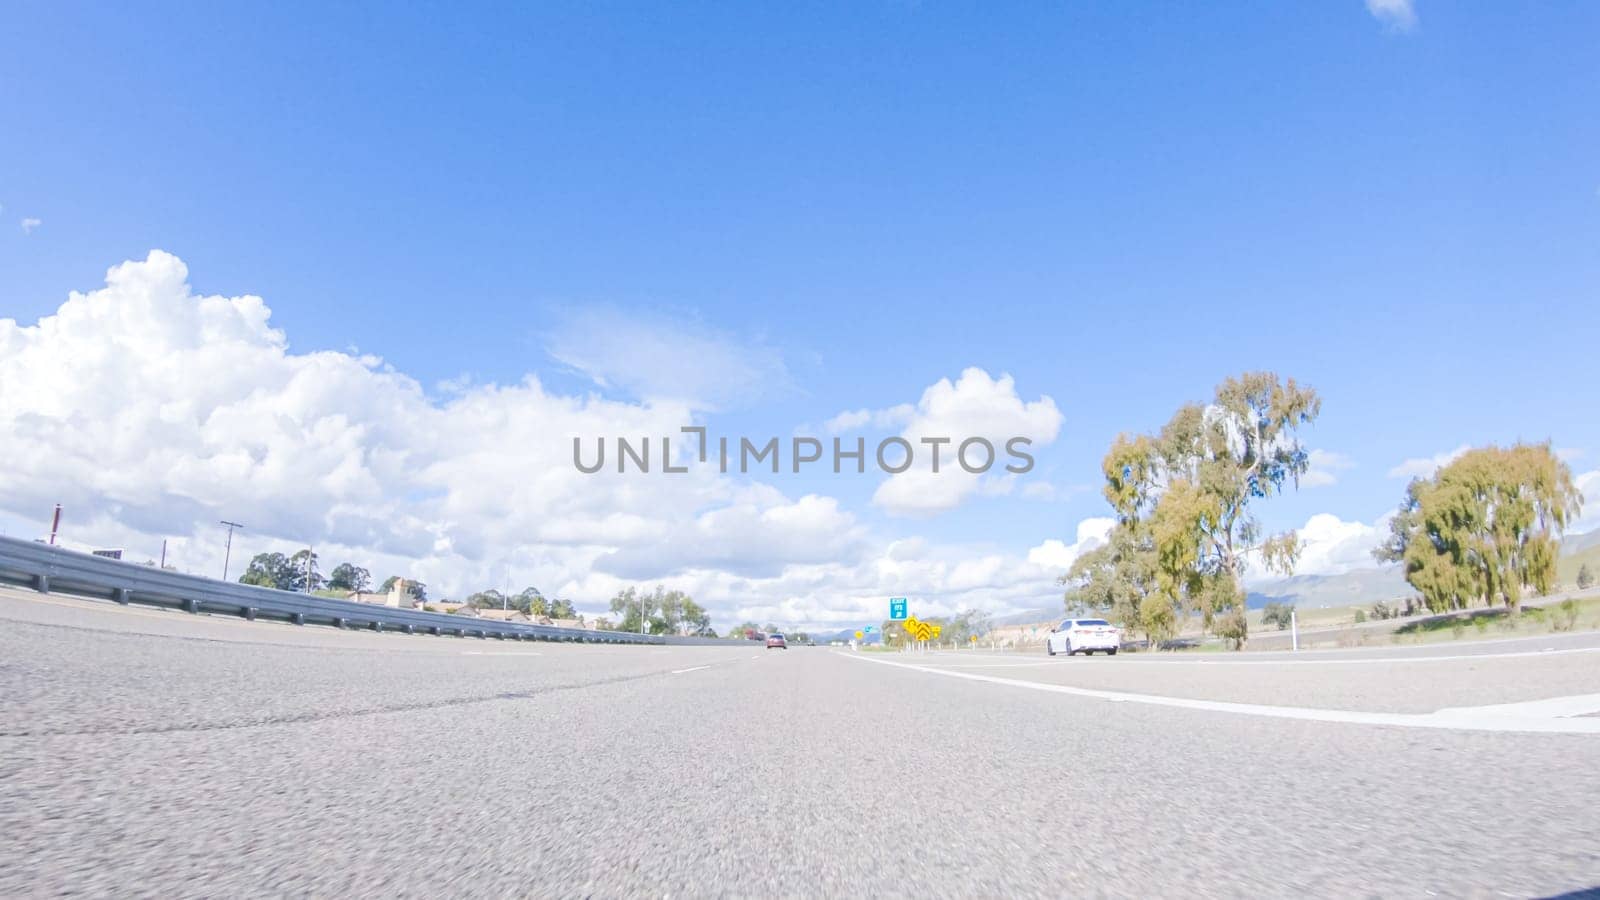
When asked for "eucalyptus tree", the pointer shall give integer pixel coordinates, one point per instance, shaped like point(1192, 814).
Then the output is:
point(1484, 527)
point(1187, 496)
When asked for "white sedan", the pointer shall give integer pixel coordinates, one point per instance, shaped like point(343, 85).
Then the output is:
point(1083, 636)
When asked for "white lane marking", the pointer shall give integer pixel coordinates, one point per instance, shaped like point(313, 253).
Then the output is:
point(1468, 642)
point(1553, 708)
point(1460, 718)
point(1340, 661)
point(690, 669)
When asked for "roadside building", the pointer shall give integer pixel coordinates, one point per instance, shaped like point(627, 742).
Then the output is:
point(398, 596)
point(502, 615)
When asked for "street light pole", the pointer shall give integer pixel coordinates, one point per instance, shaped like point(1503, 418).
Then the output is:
point(227, 551)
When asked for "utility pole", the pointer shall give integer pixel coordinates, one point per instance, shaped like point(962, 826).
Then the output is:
point(163, 553)
point(227, 551)
point(55, 525)
point(310, 554)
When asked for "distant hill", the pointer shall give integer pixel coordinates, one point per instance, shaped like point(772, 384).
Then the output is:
point(1356, 587)
point(1576, 551)
point(1577, 543)
point(1030, 616)
point(1365, 586)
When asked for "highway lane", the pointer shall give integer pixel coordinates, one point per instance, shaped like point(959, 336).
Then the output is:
point(77, 666)
point(719, 771)
point(1422, 681)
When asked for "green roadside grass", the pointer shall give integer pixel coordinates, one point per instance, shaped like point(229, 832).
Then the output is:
point(1581, 614)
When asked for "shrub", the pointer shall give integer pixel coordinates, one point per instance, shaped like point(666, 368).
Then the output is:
point(1279, 614)
point(1231, 626)
point(1361, 616)
point(1568, 617)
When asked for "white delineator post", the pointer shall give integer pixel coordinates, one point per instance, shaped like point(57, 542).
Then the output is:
point(1294, 630)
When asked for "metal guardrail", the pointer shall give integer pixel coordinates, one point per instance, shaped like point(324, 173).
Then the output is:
point(46, 568)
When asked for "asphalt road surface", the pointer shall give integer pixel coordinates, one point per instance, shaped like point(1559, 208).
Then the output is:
point(158, 753)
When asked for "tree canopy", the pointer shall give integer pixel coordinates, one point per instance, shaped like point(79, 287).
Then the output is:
point(269, 570)
point(663, 611)
point(1183, 499)
point(348, 577)
point(1484, 527)
point(286, 573)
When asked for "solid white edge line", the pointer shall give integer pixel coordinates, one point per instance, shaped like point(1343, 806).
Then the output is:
point(1347, 661)
point(690, 669)
point(1459, 719)
point(1553, 708)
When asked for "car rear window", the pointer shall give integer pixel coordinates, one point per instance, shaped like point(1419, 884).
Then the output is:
point(1093, 622)
point(778, 636)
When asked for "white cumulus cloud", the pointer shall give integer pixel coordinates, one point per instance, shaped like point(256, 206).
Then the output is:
point(29, 224)
point(975, 406)
point(1325, 468)
point(1396, 15)
point(151, 411)
point(1056, 554)
point(656, 358)
point(1425, 467)
point(1588, 484)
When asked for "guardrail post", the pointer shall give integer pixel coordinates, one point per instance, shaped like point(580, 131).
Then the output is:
point(191, 605)
point(377, 626)
point(298, 618)
point(338, 621)
point(249, 613)
point(41, 583)
point(122, 596)
point(407, 629)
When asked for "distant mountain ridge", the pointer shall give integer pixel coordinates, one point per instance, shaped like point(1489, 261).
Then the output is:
point(1357, 586)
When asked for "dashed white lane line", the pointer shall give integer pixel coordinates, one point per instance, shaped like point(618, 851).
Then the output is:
point(690, 669)
point(1473, 718)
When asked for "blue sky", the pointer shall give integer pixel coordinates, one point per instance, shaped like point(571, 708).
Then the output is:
point(1116, 204)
